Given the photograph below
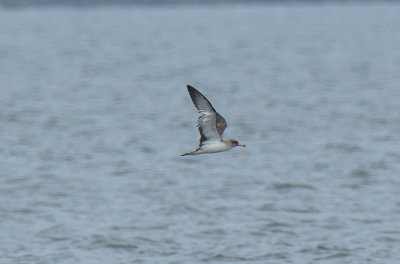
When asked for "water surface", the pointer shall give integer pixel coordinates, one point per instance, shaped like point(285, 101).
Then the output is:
point(94, 114)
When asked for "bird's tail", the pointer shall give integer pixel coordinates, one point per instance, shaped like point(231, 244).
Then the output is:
point(193, 152)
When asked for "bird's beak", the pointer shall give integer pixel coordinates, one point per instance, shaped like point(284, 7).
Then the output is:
point(242, 145)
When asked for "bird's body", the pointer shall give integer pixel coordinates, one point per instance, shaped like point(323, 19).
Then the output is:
point(211, 126)
point(212, 147)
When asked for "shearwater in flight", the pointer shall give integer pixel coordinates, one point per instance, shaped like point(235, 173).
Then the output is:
point(211, 126)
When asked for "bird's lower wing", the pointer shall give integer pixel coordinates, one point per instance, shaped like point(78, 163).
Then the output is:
point(206, 124)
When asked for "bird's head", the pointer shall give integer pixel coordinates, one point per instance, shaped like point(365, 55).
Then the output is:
point(235, 143)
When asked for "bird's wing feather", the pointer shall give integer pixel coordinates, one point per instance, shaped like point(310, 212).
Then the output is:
point(221, 124)
point(207, 128)
point(211, 124)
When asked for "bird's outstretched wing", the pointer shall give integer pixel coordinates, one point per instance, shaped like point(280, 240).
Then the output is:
point(211, 125)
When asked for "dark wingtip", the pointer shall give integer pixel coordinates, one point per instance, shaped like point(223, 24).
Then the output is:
point(190, 88)
point(193, 93)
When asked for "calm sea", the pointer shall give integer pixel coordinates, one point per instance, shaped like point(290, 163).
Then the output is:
point(94, 114)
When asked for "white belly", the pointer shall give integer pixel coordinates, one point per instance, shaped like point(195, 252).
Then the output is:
point(213, 146)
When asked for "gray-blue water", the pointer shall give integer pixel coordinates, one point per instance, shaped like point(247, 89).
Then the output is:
point(94, 114)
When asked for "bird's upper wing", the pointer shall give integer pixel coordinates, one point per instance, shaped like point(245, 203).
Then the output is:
point(221, 124)
point(211, 125)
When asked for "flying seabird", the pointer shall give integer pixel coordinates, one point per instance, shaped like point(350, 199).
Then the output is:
point(211, 126)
